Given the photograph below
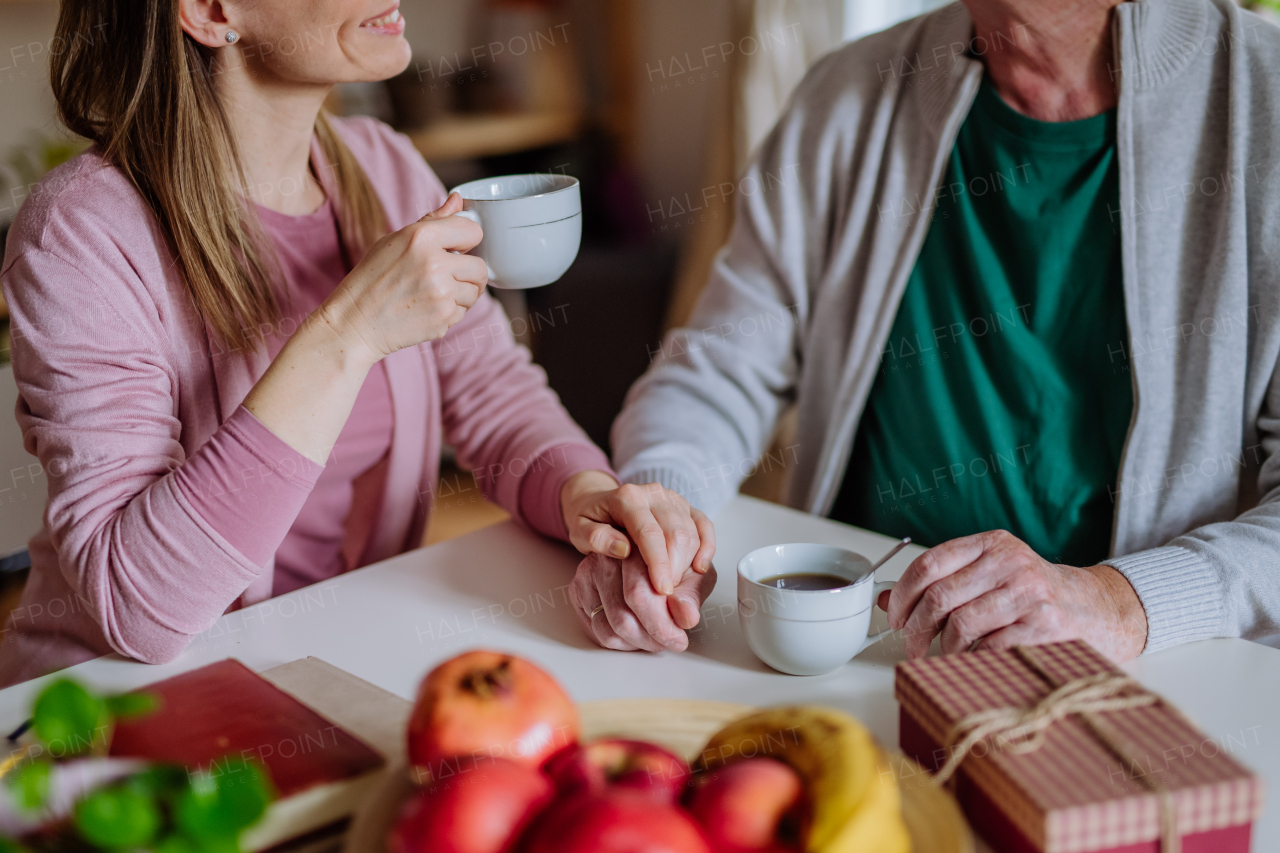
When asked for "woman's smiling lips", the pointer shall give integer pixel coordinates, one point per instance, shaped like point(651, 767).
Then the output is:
point(389, 23)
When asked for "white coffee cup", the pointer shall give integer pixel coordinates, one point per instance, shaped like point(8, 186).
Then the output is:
point(532, 226)
point(807, 632)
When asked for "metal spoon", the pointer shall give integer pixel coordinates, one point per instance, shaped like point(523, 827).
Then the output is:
point(906, 540)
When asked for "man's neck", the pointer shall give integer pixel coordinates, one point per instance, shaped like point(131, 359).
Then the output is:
point(272, 123)
point(1050, 61)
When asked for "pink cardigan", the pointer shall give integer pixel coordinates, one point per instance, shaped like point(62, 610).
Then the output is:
point(122, 384)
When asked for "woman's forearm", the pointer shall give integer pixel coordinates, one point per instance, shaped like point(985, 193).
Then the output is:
point(307, 393)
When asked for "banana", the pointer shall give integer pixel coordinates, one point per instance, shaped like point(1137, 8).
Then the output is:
point(877, 825)
point(853, 797)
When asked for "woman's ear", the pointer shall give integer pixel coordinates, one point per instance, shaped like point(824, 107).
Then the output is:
point(205, 21)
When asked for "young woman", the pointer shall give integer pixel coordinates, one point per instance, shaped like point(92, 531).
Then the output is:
point(242, 331)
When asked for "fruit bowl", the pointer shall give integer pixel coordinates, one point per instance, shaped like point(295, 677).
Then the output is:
point(933, 819)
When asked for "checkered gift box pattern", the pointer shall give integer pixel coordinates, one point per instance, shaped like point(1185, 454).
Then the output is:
point(1074, 794)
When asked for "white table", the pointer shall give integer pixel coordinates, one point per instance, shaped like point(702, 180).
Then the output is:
point(505, 588)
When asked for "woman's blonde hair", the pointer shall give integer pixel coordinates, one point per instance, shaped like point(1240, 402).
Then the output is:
point(128, 78)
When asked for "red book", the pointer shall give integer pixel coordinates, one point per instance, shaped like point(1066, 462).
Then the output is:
point(319, 769)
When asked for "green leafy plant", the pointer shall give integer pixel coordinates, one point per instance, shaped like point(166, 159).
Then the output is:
point(31, 784)
point(164, 808)
point(69, 720)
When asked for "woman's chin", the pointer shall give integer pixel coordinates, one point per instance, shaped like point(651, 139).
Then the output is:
point(387, 58)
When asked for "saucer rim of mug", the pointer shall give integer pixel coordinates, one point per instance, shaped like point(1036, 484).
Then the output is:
point(572, 183)
point(869, 576)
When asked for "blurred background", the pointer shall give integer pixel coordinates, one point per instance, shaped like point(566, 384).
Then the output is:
point(648, 102)
point(654, 104)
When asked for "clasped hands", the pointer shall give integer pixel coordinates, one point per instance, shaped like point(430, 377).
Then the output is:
point(990, 589)
point(647, 596)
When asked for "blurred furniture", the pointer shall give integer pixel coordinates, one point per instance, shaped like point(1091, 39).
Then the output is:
point(596, 328)
point(797, 33)
point(460, 508)
point(520, 89)
point(23, 487)
point(459, 136)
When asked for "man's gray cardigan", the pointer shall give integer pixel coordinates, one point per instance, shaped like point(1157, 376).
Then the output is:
point(831, 216)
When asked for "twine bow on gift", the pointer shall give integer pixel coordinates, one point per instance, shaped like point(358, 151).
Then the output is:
point(1024, 729)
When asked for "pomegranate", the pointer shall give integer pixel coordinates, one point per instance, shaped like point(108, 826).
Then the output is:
point(485, 705)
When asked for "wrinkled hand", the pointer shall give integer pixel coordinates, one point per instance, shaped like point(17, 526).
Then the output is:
point(634, 616)
point(671, 536)
point(991, 587)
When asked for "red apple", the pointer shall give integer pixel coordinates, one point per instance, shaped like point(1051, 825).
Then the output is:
point(746, 805)
point(482, 705)
point(482, 810)
point(616, 821)
point(630, 764)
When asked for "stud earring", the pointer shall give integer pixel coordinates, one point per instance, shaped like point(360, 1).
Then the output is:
point(232, 35)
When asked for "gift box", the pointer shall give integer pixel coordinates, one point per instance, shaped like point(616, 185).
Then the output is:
point(1052, 749)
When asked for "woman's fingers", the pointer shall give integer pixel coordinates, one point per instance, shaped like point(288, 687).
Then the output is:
point(649, 608)
point(685, 604)
point(669, 535)
point(453, 204)
point(456, 317)
point(603, 539)
point(674, 517)
point(413, 285)
point(454, 234)
point(706, 541)
point(650, 538)
point(472, 275)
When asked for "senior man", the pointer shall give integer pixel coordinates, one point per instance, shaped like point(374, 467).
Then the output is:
point(1022, 287)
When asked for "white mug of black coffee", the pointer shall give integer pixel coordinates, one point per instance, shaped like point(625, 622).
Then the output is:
point(806, 609)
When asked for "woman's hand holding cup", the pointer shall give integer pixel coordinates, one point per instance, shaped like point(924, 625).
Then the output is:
point(412, 286)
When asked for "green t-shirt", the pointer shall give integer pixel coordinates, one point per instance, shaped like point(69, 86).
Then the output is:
point(1003, 396)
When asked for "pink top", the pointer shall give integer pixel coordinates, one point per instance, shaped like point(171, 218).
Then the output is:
point(168, 502)
point(314, 263)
